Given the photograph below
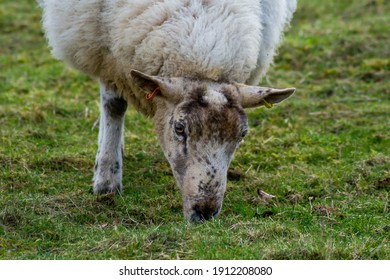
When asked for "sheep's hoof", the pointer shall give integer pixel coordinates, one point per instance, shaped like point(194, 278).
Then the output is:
point(107, 187)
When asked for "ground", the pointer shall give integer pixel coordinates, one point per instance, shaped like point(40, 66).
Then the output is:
point(323, 154)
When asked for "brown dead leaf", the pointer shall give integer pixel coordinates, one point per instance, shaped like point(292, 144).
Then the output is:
point(102, 226)
point(264, 195)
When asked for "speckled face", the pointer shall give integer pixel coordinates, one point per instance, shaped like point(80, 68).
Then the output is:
point(199, 124)
point(200, 136)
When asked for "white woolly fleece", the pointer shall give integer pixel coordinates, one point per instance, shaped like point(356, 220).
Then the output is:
point(227, 40)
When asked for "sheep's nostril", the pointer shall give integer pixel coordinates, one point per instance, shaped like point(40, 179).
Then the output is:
point(197, 214)
point(201, 214)
point(196, 217)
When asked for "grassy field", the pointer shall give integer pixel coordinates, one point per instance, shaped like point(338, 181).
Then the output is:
point(324, 154)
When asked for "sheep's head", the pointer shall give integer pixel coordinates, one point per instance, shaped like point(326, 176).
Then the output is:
point(199, 125)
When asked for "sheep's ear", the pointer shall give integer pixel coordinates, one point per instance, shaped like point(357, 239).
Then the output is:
point(252, 96)
point(151, 86)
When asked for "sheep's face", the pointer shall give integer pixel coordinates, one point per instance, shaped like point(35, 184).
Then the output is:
point(199, 125)
point(199, 136)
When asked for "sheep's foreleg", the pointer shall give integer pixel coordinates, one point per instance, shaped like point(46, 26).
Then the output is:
point(109, 158)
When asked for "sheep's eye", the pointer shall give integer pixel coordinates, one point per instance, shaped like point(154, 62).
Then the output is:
point(244, 133)
point(179, 129)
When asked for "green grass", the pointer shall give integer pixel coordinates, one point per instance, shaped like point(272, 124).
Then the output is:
point(324, 154)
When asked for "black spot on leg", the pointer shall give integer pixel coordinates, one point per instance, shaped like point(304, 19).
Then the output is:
point(116, 107)
point(115, 169)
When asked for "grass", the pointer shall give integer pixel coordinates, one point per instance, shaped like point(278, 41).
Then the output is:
point(324, 154)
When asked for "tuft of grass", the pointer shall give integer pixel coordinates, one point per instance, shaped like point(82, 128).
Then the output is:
point(323, 154)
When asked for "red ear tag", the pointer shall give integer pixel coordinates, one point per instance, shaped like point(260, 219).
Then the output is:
point(150, 95)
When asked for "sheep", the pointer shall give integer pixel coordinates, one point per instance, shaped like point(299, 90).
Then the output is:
point(192, 65)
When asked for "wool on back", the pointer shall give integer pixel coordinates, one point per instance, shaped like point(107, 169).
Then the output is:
point(219, 40)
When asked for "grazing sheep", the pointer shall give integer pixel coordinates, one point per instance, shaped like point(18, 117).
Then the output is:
point(192, 65)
